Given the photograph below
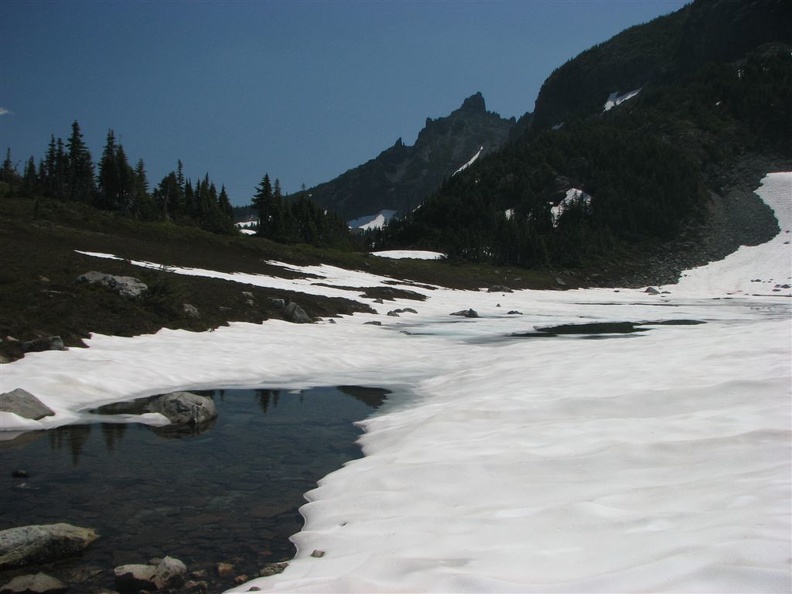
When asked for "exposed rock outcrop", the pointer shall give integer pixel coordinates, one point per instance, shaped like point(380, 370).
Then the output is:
point(402, 176)
point(126, 286)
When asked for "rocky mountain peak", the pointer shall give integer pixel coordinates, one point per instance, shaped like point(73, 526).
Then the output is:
point(402, 176)
point(474, 104)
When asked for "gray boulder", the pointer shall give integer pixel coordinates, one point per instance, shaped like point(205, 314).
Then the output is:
point(184, 408)
point(49, 343)
point(296, 314)
point(126, 286)
point(42, 543)
point(40, 583)
point(23, 403)
point(161, 574)
point(466, 313)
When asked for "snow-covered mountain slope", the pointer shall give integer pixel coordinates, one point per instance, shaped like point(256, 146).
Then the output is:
point(507, 459)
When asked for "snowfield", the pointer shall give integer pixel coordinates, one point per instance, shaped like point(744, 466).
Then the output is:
point(653, 461)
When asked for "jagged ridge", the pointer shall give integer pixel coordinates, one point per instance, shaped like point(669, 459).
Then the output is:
point(401, 176)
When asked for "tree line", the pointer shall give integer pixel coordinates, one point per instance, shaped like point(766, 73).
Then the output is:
point(67, 172)
point(297, 219)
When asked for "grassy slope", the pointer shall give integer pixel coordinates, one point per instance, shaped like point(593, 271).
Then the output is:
point(39, 296)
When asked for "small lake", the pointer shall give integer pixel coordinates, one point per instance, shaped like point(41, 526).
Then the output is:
point(228, 494)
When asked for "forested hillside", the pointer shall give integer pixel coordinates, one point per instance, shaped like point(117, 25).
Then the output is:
point(585, 181)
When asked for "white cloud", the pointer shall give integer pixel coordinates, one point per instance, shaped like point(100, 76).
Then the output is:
point(4, 111)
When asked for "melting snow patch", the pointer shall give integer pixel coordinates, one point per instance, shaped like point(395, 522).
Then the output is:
point(614, 99)
point(469, 163)
point(415, 254)
point(573, 196)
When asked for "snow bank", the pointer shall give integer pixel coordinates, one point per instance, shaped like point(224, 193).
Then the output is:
point(654, 461)
point(416, 254)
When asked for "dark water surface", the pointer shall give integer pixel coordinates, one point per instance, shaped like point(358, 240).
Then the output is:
point(230, 493)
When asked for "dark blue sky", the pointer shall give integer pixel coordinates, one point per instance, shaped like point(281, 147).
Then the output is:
point(303, 90)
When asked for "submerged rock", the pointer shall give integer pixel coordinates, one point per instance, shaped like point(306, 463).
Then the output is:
point(39, 583)
point(42, 543)
point(184, 408)
point(23, 403)
point(160, 575)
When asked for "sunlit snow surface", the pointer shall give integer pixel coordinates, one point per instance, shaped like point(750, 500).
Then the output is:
point(655, 461)
point(413, 254)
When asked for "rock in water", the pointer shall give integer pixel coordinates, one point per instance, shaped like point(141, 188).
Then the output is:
point(40, 583)
point(134, 578)
point(166, 574)
point(23, 403)
point(184, 408)
point(42, 543)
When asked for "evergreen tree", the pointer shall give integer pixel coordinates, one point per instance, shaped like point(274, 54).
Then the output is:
point(60, 172)
point(80, 172)
point(225, 204)
point(264, 203)
point(8, 172)
point(146, 207)
point(30, 179)
point(116, 189)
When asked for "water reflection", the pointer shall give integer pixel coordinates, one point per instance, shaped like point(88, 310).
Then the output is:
point(229, 492)
point(265, 397)
point(73, 436)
